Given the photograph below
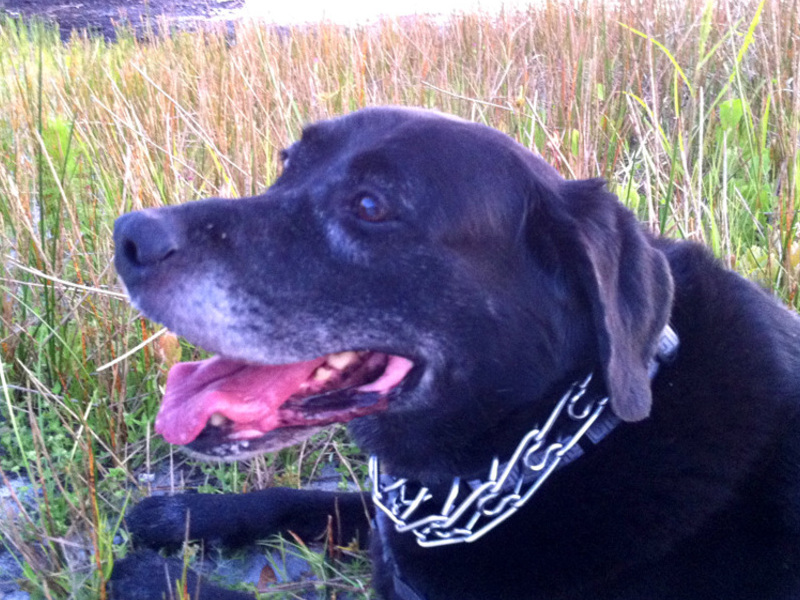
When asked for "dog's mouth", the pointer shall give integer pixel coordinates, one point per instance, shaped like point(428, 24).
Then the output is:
point(234, 402)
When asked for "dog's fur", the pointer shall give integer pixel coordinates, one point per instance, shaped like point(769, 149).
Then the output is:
point(504, 283)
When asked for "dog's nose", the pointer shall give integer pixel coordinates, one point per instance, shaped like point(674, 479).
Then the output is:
point(142, 239)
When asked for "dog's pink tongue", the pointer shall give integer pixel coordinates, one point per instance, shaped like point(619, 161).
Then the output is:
point(240, 391)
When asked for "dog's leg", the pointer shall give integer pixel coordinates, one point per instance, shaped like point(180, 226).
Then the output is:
point(233, 520)
point(145, 575)
point(240, 519)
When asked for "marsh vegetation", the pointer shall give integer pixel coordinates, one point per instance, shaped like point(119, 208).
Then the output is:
point(690, 110)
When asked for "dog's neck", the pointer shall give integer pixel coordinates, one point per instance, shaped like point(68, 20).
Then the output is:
point(471, 509)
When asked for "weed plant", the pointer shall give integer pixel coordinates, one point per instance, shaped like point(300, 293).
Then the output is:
point(690, 110)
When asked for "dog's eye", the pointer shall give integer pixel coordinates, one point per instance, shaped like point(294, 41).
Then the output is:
point(284, 158)
point(370, 208)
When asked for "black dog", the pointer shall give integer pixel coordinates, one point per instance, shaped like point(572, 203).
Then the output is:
point(502, 338)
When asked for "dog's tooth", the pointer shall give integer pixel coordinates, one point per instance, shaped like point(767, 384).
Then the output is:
point(341, 359)
point(323, 374)
point(217, 420)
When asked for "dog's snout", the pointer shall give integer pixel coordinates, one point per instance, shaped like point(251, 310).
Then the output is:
point(143, 239)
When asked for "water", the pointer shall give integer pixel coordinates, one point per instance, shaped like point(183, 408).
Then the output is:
point(364, 11)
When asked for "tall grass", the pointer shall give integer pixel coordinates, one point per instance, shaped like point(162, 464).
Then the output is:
point(691, 110)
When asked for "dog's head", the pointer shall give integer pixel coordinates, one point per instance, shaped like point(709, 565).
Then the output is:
point(426, 278)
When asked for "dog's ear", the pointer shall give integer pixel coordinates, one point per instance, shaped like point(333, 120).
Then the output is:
point(627, 283)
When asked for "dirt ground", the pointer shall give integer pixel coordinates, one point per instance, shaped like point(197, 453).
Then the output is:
point(99, 16)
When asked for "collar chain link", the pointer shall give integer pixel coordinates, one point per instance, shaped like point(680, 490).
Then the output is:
point(509, 485)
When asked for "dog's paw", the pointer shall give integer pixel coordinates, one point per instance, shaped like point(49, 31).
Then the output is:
point(145, 575)
point(161, 521)
point(227, 519)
